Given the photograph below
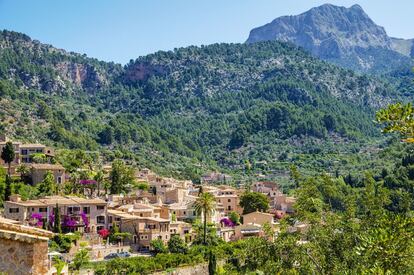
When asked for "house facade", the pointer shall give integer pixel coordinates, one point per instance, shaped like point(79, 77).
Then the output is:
point(143, 230)
point(84, 215)
point(25, 152)
point(39, 170)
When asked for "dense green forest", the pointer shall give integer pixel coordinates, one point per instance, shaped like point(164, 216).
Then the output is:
point(242, 109)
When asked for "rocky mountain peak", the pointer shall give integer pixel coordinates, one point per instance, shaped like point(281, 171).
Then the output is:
point(346, 36)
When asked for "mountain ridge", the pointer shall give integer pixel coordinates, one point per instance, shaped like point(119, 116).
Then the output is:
point(194, 109)
point(339, 34)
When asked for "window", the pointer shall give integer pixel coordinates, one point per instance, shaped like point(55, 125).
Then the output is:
point(140, 214)
point(185, 213)
point(42, 209)
point(39, 151)
point(73, 209)
point(100, 219)
point(229, 207)
point(59, 180)
point(86, 210)
point(24, 152)
point(13, 210)
point(100, 207)
point(229, 200)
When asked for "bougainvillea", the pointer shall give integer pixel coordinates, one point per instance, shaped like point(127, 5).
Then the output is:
point(85, 219)
point(38, 219)
point(52, 219)
point(227, 222)
point(104, 233)
point(69, 222)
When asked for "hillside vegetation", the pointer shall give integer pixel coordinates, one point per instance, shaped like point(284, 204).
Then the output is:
point(245, 109)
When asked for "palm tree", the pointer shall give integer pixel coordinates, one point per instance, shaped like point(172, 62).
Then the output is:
point(205, 205)
point(23, 170)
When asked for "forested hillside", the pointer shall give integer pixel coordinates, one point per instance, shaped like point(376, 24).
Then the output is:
point(245, 109)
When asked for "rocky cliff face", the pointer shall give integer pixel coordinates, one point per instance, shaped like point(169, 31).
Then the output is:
point(346, 36)
point(43, 67)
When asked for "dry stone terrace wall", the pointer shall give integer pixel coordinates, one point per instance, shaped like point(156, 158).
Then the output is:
point(201, 269)
point(23, 249)
point(19, 257)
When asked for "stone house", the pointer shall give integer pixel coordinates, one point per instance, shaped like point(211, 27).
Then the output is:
point(247, 230)
point(38, 171)
point(284, 203)
point(258, 218)
point(265, 187)
point(145, 229)
point(24, 249)
point(182, 229)
point(229, 199)
point(24, 152)
point(70, 208)
point(215, 178)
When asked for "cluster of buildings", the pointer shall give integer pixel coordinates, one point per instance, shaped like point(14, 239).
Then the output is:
point(25, 155)
point(164, 210)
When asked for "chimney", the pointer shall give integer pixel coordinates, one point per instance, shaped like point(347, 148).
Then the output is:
point(15, 198)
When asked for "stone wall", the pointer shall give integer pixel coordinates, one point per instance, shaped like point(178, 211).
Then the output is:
point(201, 269)
point(23, 257)
point(23, 248)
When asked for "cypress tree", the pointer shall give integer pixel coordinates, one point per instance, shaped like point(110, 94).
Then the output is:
point(212, 263)
point(7, 190)
point(56, 225)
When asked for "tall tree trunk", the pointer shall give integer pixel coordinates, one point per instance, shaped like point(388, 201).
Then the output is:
point(205, 227)
point(9, 169)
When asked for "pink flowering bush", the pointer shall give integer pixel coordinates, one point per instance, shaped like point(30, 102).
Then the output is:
point(227, 222)
point(38, 218)
point(104, 233)
point(85, 219)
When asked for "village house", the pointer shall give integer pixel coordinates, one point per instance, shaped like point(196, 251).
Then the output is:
point(247, 230)
point(259, 218)
point(25, 152)
point(277, 200)
point(141, 209)
point(71, 208)
point(265, 187)
point(229, 199)
point(143, 230)
point(182, 211)
point(39, 170)
point(284, 203)
point(227, 233)
point(215, 178)
point(182, 229)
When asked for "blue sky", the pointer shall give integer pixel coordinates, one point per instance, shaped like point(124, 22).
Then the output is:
point(120, 30)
